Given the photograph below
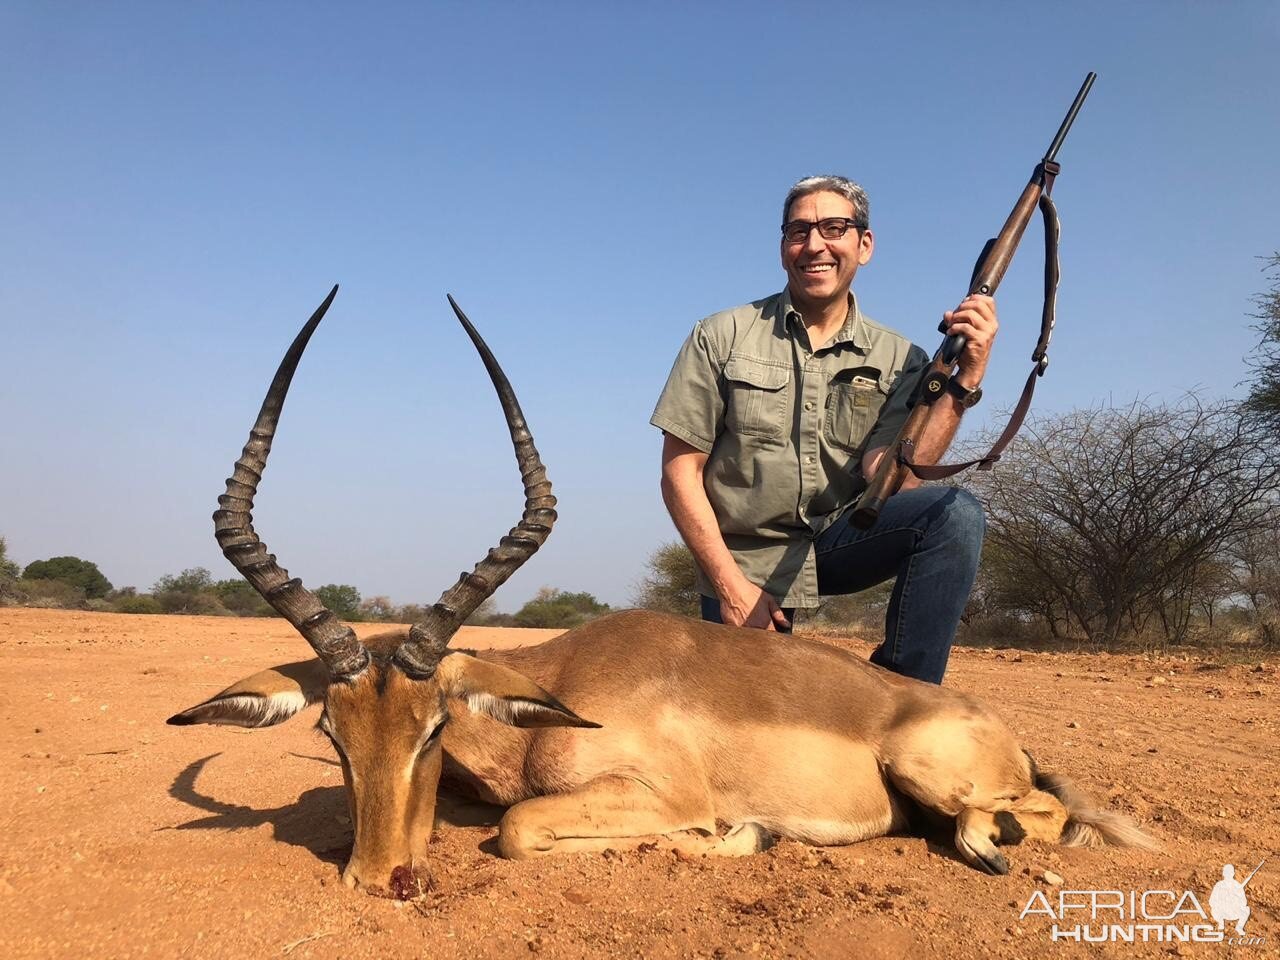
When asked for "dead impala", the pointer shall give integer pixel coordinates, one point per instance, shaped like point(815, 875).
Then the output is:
point(692, 724)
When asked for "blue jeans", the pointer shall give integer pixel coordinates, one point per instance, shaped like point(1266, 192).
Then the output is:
point(930, 539)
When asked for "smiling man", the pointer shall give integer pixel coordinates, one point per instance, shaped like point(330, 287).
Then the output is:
point(774, 415)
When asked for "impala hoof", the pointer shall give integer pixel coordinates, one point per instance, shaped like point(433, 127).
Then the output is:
point(995, 863)
point(749, 837)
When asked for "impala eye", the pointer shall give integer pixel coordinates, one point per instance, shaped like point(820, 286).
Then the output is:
point(434, 736)
point(323, 726)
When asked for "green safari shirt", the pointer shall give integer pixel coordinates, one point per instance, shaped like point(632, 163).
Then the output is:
point(784, 427)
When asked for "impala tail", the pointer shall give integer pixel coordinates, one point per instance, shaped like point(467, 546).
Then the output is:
point(1086, 825)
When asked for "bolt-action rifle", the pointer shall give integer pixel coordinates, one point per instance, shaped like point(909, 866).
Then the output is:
point(987, 274)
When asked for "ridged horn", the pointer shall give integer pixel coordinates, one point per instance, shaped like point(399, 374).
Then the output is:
point(428, 638)
point(333, 642)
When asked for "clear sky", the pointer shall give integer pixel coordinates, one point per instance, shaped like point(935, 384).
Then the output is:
point(183, 182)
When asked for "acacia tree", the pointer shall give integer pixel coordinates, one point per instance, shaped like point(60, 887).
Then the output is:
point(8, 572)
point(1006, 588)
point(671, 582)
point(1264, 393)
point(1257, 558)
point(377, 608)
point(1111, 512)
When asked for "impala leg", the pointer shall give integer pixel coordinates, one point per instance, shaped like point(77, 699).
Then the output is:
point(976, 829)
point(952, 798)
point(974, 772)
point(621, 814)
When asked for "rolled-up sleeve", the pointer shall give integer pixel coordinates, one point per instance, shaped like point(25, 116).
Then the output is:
point(897, 406)
point(692, 403)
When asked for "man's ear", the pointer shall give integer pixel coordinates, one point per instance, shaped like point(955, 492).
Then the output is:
point(262, 700)
point(507, 696)
point(866, 247)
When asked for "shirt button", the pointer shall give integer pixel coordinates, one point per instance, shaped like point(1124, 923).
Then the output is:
point(808, 459)
point(809, 405)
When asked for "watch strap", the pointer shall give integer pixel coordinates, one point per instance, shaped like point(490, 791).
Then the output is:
point(968, 398)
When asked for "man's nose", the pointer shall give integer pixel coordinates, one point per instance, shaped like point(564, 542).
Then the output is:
point(813, 240)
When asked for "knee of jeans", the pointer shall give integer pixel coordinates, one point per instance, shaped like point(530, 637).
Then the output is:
point(965, 519)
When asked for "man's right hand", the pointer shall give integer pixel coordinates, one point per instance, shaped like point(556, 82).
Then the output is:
point(742, 603)
point(749, 606)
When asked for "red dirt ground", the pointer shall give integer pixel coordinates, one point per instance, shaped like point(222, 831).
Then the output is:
point(128, 838)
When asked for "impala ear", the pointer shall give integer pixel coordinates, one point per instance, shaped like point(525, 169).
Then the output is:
point(502, 693)
point(262, 700)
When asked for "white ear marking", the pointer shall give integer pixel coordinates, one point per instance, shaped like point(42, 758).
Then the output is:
point(251, 709)
point(504, 711)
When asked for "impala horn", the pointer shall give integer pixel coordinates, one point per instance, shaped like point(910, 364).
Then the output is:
point(419, 655)
point(333, 642)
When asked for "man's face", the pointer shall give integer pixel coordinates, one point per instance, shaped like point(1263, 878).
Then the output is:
point(820, 271)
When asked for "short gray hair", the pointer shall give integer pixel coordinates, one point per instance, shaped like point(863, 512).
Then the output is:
point(834, 184)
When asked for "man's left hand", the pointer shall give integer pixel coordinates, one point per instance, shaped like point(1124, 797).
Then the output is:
point(975, 320)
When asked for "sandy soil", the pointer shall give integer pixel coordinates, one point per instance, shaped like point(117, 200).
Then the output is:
point(125, 837)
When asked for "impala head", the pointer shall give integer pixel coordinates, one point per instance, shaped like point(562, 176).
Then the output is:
point(386, 703)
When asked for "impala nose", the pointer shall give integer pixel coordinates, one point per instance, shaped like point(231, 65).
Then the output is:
point(406, 882)
point(409, 881)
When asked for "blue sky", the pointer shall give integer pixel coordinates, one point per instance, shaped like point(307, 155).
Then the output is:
point(184, 182)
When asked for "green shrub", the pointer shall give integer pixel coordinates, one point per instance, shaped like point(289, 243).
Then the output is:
point(8, 569)
point(239, 598)
point(137, 603)
point(342, 598)
point(552, 607)
point(190, 591)
point(54, 594)
point(9, 573)
point(70, 570)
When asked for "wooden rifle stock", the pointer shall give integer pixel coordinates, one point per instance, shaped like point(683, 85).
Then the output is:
point(987, 274)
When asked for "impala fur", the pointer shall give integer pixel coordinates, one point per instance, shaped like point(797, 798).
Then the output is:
point(692, 725)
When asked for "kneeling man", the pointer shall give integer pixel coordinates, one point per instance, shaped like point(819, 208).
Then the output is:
point(775, 415)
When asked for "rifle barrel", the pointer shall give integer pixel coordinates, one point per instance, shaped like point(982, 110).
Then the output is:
point(1071, 117)
point(987, 274)
point(1250, 876)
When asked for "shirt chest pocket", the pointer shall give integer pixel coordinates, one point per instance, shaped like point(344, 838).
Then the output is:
point(853, 406)
point(756, 397)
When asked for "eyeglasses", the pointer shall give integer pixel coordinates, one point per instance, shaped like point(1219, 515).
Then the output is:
point(831, 228)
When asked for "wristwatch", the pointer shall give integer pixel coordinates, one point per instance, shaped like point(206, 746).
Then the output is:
point(967, 398)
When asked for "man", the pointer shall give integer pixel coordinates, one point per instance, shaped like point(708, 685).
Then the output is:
point(1228, 901)
point(775, 414)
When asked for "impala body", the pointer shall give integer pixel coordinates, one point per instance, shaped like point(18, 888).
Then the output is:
point(637, 727)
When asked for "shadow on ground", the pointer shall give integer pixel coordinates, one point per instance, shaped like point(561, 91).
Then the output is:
point(309, 822)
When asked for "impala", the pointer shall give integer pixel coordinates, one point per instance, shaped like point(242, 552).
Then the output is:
point(637, 727)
